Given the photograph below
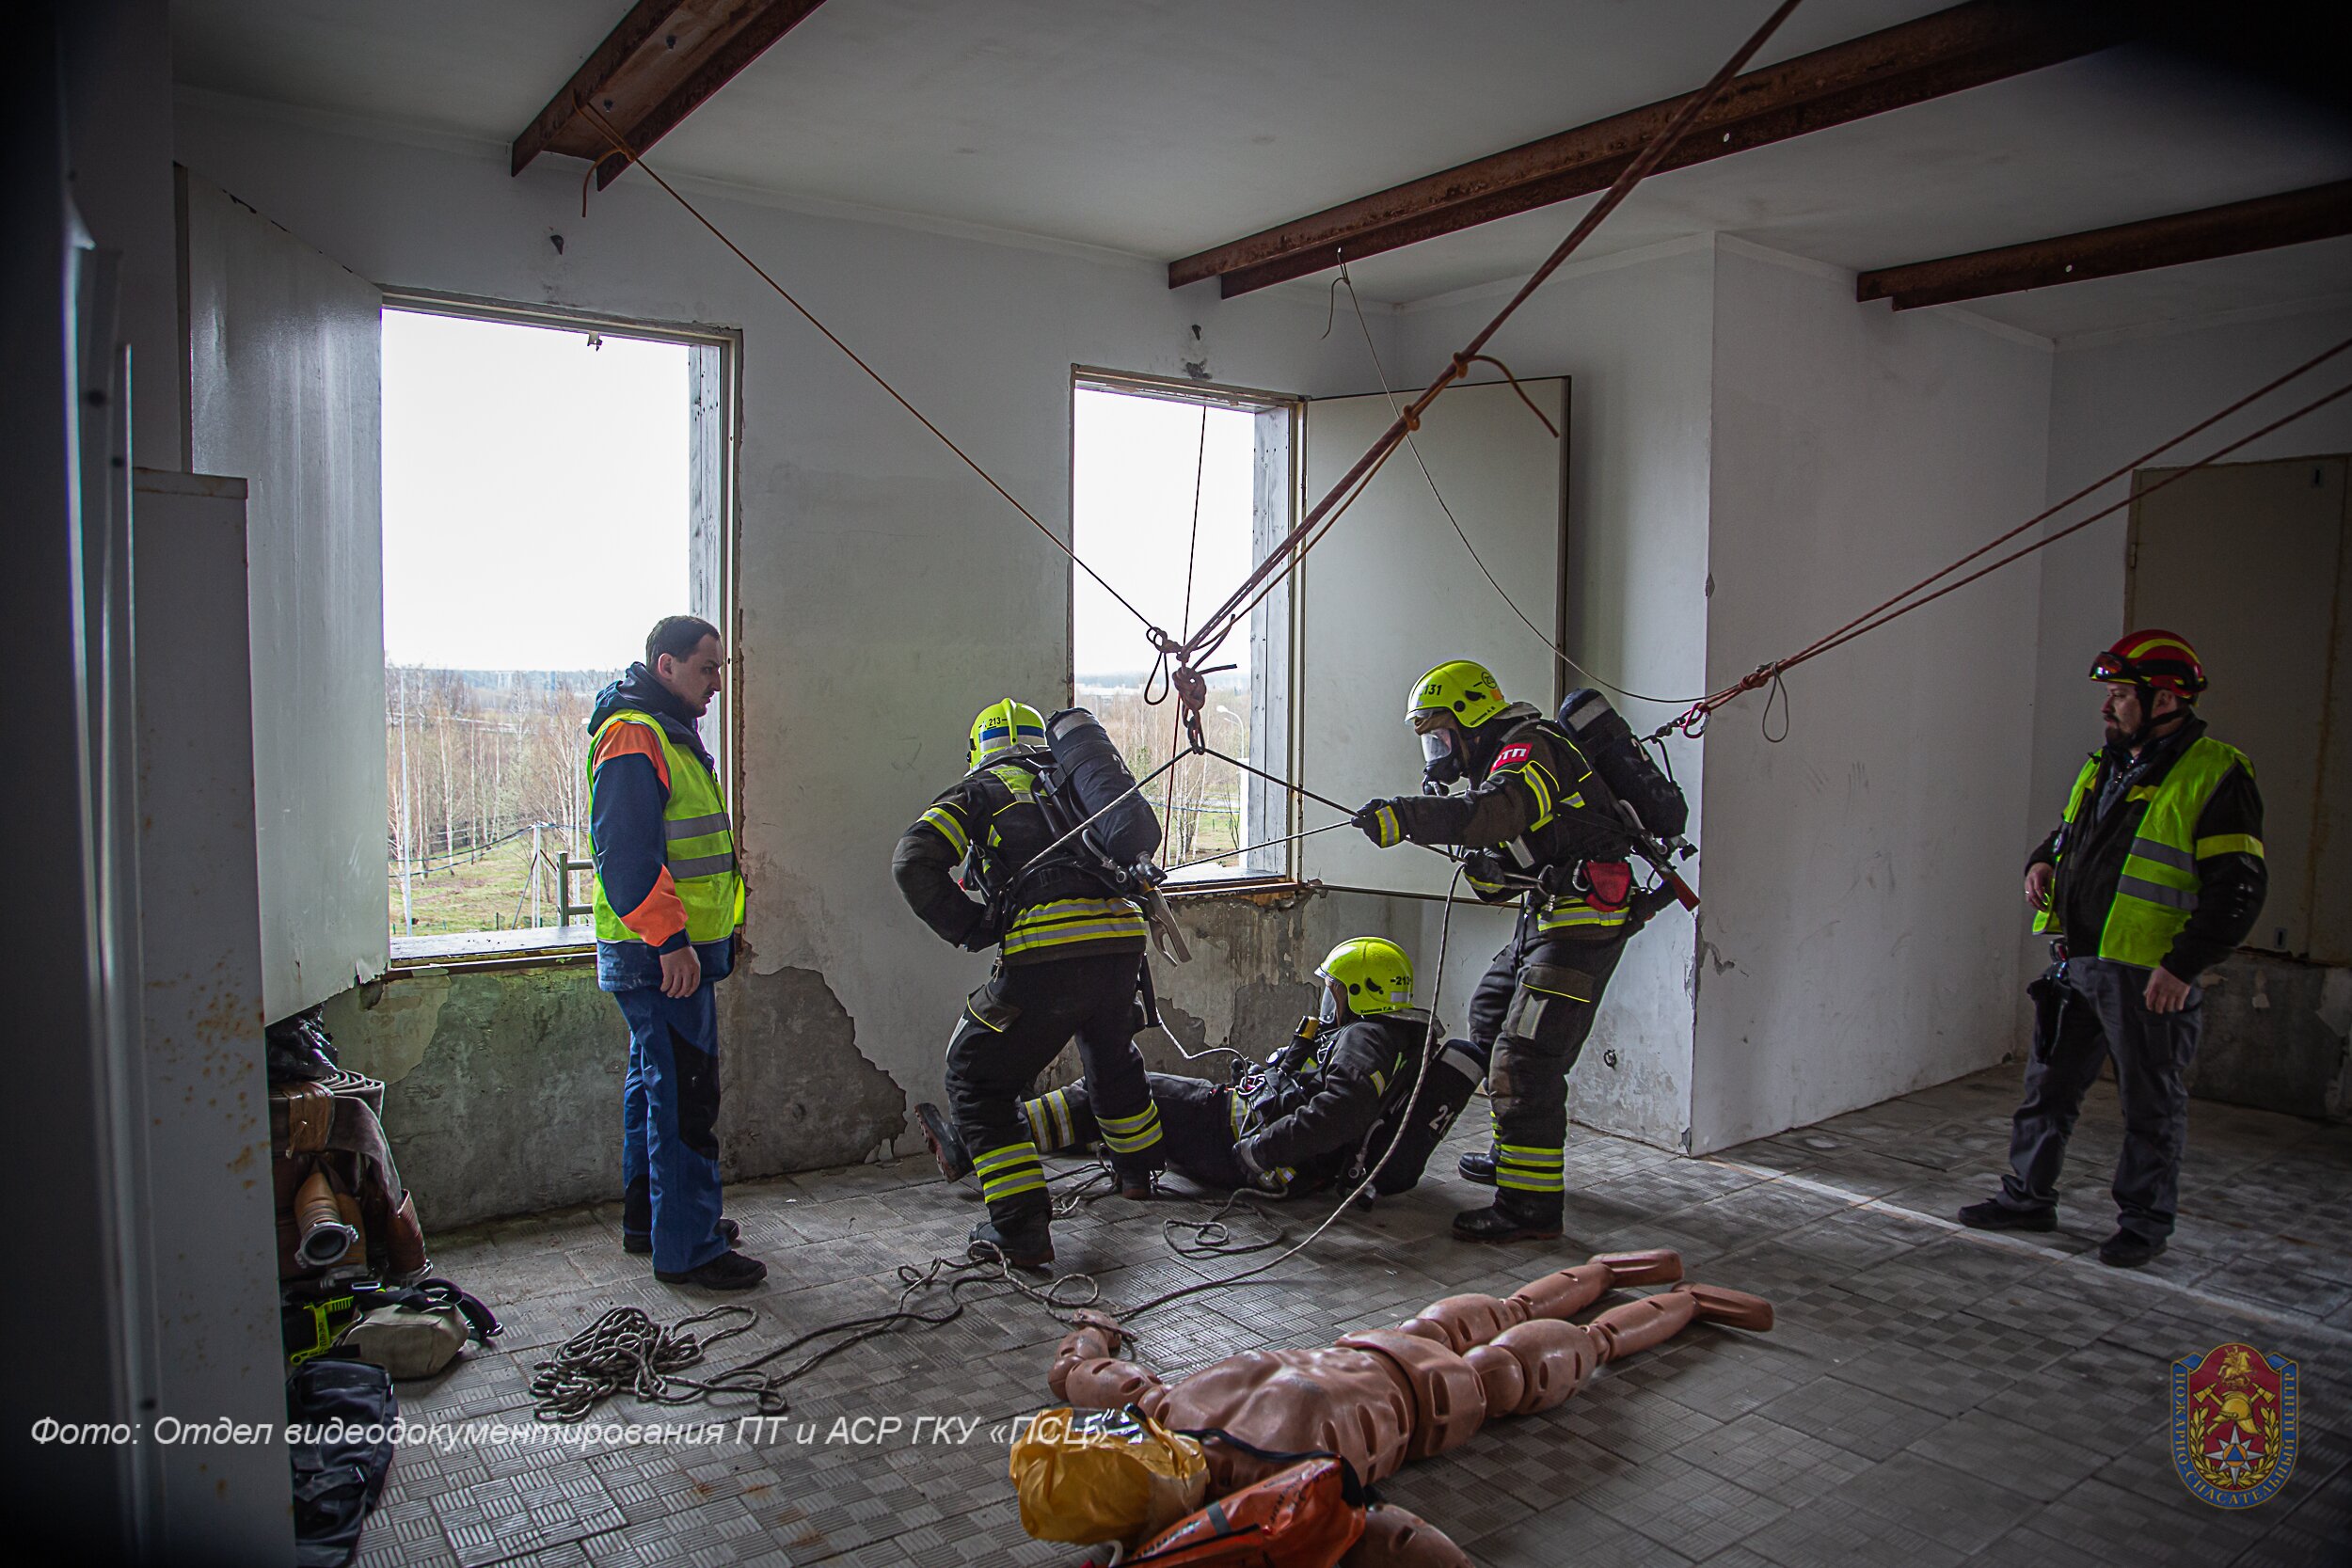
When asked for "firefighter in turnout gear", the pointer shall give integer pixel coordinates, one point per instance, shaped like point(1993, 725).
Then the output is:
point(1068, 962)
point(2155, 876)
point(1541, 829)
point(1315, 1115)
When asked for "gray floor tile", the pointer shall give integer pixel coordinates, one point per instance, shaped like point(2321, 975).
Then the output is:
point(1927, 1397)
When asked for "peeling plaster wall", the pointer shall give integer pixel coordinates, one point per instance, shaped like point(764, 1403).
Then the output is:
point(503, 1086)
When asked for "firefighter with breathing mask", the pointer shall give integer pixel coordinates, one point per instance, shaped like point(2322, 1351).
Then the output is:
point(1541, 828)
point(1070, 957)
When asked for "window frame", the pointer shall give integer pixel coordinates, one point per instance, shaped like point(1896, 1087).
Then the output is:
point(714, 545)
point(1274, 633)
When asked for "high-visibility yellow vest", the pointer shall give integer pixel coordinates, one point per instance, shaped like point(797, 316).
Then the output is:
point(699, 842)
point(2157, 891)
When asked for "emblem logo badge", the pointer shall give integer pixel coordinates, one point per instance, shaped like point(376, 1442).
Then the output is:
point(2234, 1424)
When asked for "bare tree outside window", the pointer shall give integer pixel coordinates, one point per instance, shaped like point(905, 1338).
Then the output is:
point(1173, 489)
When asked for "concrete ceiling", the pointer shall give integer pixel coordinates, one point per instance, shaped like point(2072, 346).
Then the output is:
point(1160, 129)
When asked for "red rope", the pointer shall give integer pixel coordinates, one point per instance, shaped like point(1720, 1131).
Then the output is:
point(1694, 722)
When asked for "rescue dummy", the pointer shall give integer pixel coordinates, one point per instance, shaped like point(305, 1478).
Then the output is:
point(1379, 1399)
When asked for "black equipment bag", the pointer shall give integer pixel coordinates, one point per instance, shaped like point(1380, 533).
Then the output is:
point(338, 1474)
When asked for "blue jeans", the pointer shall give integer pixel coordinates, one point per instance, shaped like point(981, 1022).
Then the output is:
point(669, 1113)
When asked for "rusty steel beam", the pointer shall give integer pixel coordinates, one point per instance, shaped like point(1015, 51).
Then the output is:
point(1948, 52)
point(2265, 223)
point(663, 60)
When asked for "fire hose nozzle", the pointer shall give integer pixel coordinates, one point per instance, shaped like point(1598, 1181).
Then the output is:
point(326, 1238)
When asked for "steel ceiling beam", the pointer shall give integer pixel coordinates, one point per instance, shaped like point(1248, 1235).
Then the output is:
point(658, 66)
point(1948, 52)
point(2265, 223)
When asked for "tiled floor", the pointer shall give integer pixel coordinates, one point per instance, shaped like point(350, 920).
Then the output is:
point(1930, 1396)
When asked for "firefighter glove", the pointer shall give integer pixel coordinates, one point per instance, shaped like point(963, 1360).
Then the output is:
point(1378, 819)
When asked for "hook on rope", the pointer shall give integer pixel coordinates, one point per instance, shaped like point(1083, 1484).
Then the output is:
point(1192, 689)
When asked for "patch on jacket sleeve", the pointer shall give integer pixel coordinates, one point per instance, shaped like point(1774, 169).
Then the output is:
point(1511, 756)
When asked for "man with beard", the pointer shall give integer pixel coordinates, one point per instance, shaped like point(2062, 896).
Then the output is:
point(2154, 877)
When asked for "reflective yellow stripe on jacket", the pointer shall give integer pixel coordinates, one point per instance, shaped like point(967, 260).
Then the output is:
point(1072, 923)
point(2156, 890)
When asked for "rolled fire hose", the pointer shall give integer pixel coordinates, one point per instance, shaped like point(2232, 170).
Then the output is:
point(319, 1220)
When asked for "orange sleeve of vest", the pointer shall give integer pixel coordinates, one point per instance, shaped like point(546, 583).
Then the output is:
point(663, 916)
point(633, 740)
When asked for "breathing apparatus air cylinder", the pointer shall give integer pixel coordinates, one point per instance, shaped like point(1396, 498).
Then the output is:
point(1098, 780)
point(1607, 741)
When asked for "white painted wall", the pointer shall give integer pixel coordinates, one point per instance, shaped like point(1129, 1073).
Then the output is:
point(1631, 332)
point(209, 1228)
point(884, 592)
point(285, 390)
point(2110, 403)
point(1393, 572)
point(1862, 891)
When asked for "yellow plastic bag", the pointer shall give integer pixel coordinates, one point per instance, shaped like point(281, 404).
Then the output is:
point(1104, 1475)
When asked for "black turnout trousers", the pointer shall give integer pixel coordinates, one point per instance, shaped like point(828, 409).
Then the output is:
point(1533, 1012)
point(2088, 1011)
point(1012, 1027)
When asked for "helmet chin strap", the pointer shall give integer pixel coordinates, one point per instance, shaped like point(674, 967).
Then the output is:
point(2150, 721)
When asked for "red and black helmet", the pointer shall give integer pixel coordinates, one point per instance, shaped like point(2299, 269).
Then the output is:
point(2160, 659)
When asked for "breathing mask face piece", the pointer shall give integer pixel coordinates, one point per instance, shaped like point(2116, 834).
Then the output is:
point(1441, 756)
point(1332, 1010)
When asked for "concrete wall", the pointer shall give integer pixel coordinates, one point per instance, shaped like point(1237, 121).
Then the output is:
point(1632, 331)
point(2276, 1032)
point(2109, 403)
point(504, 1085)
point(1863, 897)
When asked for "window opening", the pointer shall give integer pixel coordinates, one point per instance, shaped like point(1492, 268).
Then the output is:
point(1177, 491)
point(551, 488)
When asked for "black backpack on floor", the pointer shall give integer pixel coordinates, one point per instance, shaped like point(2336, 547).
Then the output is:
point(338, 1476)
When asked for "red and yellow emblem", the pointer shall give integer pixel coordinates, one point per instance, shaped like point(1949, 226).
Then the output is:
point(2234, 1424)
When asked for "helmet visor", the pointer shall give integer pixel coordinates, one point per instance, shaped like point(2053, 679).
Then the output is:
point(1436, 745)
point(2112, 666)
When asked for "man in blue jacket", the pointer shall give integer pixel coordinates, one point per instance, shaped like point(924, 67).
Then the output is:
point(669, 900)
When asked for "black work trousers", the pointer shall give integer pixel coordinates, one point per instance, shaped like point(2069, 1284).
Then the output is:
point(1011, 1029)
point(2088, 1011)
point(1533, 1012)
point(1196, 1125)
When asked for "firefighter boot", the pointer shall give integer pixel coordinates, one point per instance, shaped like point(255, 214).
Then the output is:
point(1513, 1216)
point(1478, 1166)
point(939, 1136)
point(1020, 1234)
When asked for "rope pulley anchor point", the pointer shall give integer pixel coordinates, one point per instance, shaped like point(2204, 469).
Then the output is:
point(1192, 689)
